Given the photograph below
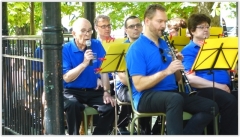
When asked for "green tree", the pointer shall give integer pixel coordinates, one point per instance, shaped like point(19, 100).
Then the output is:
point(21, 20)
point(25, 18)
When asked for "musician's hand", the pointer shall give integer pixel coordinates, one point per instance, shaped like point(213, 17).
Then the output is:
point(88, 55)
point(99, 84)
point(179, 56)
point(107, 98)
point(223, 87)
point(174, 66)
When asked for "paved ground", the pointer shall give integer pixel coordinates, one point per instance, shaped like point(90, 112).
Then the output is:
point(89, 132)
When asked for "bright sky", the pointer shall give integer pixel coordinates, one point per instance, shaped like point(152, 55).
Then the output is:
point(230, 22)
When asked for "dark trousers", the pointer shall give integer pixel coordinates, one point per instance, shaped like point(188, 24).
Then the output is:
point(123, 120)
point(73, 106)
point(173, 104)
point(228, 109)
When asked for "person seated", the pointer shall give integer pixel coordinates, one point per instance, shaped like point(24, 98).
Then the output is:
point(133, 29)
point(202, 81)
point(154, 73)
point(81, 84)
point(103, 27)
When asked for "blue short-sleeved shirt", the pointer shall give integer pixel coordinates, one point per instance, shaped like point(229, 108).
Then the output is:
point(190, 52)
point(144, 58)
point(72, 57)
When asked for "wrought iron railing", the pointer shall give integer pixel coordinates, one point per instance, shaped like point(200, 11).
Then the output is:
point(22, 84)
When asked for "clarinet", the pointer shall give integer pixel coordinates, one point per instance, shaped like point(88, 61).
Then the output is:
point(186, 81)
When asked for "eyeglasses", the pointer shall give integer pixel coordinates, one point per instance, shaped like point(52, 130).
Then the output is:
point(134, 25)
point(105, 26)
point(177, 29)
point(164, 59)
point(87, 31)
point(203, 27)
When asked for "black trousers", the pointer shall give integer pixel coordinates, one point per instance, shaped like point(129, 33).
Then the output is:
point(123, 120)
point(228, 109)
point(173, 104)
point(73, 106)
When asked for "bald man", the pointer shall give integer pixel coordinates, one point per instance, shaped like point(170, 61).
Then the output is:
point(81, 84)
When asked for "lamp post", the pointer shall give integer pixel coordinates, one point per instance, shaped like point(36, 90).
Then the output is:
point(89, 13)
point(52, 35)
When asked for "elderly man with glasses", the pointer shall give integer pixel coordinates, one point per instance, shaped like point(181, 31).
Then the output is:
point(81, 84)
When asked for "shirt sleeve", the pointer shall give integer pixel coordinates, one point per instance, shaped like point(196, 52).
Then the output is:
point(66, 64)
point(188, 60)
point(135, 62)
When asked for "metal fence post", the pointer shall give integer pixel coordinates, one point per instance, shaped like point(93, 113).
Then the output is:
point(89, 13)
point(52, 34)
point(4, 46)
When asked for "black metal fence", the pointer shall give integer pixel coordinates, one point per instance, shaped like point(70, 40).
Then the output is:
point(22, 85)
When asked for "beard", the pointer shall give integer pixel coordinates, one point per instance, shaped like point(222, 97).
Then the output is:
point(156, 32)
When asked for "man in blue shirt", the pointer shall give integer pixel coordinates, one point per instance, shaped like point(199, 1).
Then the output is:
point(154, 75)
point(103, 27)
point(198, 27)
point(133, 29)
point(37, 68)
point(81, 84)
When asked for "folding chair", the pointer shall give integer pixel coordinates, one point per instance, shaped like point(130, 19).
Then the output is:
point(138, 115)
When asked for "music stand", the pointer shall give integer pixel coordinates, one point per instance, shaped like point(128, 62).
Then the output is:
point(114, 61)
point(217, 54)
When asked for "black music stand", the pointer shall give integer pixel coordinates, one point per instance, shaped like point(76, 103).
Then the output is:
point(217, 54)
point(114, 61)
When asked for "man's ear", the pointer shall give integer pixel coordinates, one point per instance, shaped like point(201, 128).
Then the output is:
point(73, 34)
point(125, 30)
point(95, 27)
point(146, 21)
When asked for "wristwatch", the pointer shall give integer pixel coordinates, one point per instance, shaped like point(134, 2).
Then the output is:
point(109, 91)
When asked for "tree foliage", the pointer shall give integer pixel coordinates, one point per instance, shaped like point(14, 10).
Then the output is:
point(19, 12)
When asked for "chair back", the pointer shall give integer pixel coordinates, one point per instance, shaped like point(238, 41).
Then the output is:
point(130, 90)
point(138, 114)
point(182, 32)
point(179, 42)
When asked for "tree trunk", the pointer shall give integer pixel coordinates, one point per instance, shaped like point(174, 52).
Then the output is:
point(22, 30)
point(32, 26)
point(206, 8)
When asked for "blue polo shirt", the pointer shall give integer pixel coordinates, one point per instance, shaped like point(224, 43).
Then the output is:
point(119, 84)
point(190, 52)
point(144, 58)
point(72, 57)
